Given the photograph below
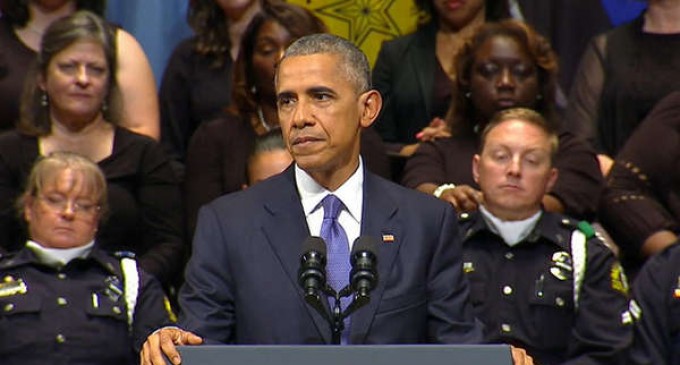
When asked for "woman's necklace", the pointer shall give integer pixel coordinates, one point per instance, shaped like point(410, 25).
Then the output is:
point(260, 115)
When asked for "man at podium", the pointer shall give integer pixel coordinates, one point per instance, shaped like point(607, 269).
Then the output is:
point(242, 279)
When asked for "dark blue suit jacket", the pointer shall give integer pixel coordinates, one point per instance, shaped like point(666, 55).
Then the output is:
point(241, 282)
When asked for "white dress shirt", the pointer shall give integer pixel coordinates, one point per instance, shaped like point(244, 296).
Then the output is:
point(351, 193)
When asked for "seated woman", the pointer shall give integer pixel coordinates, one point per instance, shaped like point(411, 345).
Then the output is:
point(21, 27)
point(505, 64)
point(218, 151)
point(197, 81)
point(622, 75)
point(64, 299)
point(641, 201)
point(414, 72)
point(72, 103)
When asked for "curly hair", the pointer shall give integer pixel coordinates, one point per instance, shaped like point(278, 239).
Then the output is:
point(211, 27)
point(297, 20)
point(61, 34)
point(16, 11)
point(462, 115)
point(495, 10)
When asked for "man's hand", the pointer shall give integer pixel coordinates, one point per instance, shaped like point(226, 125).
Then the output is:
point(463, 197)
point(164, 342)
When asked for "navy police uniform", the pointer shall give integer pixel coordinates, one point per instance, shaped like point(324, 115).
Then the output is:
point(76, 314)
point(526, 295)
point(657, 290)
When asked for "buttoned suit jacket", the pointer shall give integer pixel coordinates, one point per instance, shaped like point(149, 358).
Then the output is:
point(242, 280)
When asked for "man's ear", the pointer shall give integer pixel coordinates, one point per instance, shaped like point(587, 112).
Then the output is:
point(370, 103)
point(475, 168)
point(28, 208)
point(552, 179)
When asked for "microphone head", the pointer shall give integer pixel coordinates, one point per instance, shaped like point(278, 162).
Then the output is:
point(363, 245)
point(315, 244)
point(364, 274)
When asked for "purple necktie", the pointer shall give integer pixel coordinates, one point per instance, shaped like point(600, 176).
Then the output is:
point(338, 267)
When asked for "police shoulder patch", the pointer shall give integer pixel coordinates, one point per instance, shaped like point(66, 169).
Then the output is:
point(619, 282)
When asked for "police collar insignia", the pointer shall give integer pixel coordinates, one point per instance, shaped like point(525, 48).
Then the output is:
point(11, 286)
point(561, 265)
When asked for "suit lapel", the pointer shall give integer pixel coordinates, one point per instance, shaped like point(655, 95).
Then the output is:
point(380, 221)
point(286, 230)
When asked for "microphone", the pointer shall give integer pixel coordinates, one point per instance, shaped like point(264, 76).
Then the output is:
point(312, 272)
point(364, 275)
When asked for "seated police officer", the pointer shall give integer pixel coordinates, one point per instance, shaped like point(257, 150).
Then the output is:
point(657, 289)
point(62, 299)
point(538, 281)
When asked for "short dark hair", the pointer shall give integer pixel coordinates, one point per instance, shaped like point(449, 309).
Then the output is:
point(61, 34)
point(270, 141)
point(352, 60)
point(462, 115)
point(525, 115)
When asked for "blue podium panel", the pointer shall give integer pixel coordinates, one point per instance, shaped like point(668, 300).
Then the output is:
point(347, 355)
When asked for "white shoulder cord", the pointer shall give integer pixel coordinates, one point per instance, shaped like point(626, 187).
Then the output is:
point(578, 257)
point(131, 286)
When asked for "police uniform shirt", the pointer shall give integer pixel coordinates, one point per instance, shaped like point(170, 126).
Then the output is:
point(525, 294)
point(657, 290)
point(75, 314)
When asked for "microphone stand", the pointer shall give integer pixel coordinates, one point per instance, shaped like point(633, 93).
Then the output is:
point(337, 321)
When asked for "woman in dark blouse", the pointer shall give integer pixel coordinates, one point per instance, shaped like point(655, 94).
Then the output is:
point(623, 74)
point(641, 202)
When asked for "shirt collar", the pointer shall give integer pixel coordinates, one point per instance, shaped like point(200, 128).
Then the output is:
point(512, 232)
point(58, 257)
point(311, 193)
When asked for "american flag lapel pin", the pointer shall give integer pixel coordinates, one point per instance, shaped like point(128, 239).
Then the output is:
point(387, 238)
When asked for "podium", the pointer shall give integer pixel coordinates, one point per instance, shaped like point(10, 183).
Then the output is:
point(346, 355)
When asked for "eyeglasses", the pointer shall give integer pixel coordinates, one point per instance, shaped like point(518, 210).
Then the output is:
point(59, 203)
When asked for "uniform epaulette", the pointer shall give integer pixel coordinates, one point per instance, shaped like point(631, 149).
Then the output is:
point(124, 254)
point(582, 226)
point(586, 228)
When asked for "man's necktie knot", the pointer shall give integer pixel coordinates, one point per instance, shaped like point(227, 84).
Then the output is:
point(331, 207)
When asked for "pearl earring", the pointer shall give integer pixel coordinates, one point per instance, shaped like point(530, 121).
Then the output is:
point(43, 99)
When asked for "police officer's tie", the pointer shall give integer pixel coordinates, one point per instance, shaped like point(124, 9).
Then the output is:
point(337, 268)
